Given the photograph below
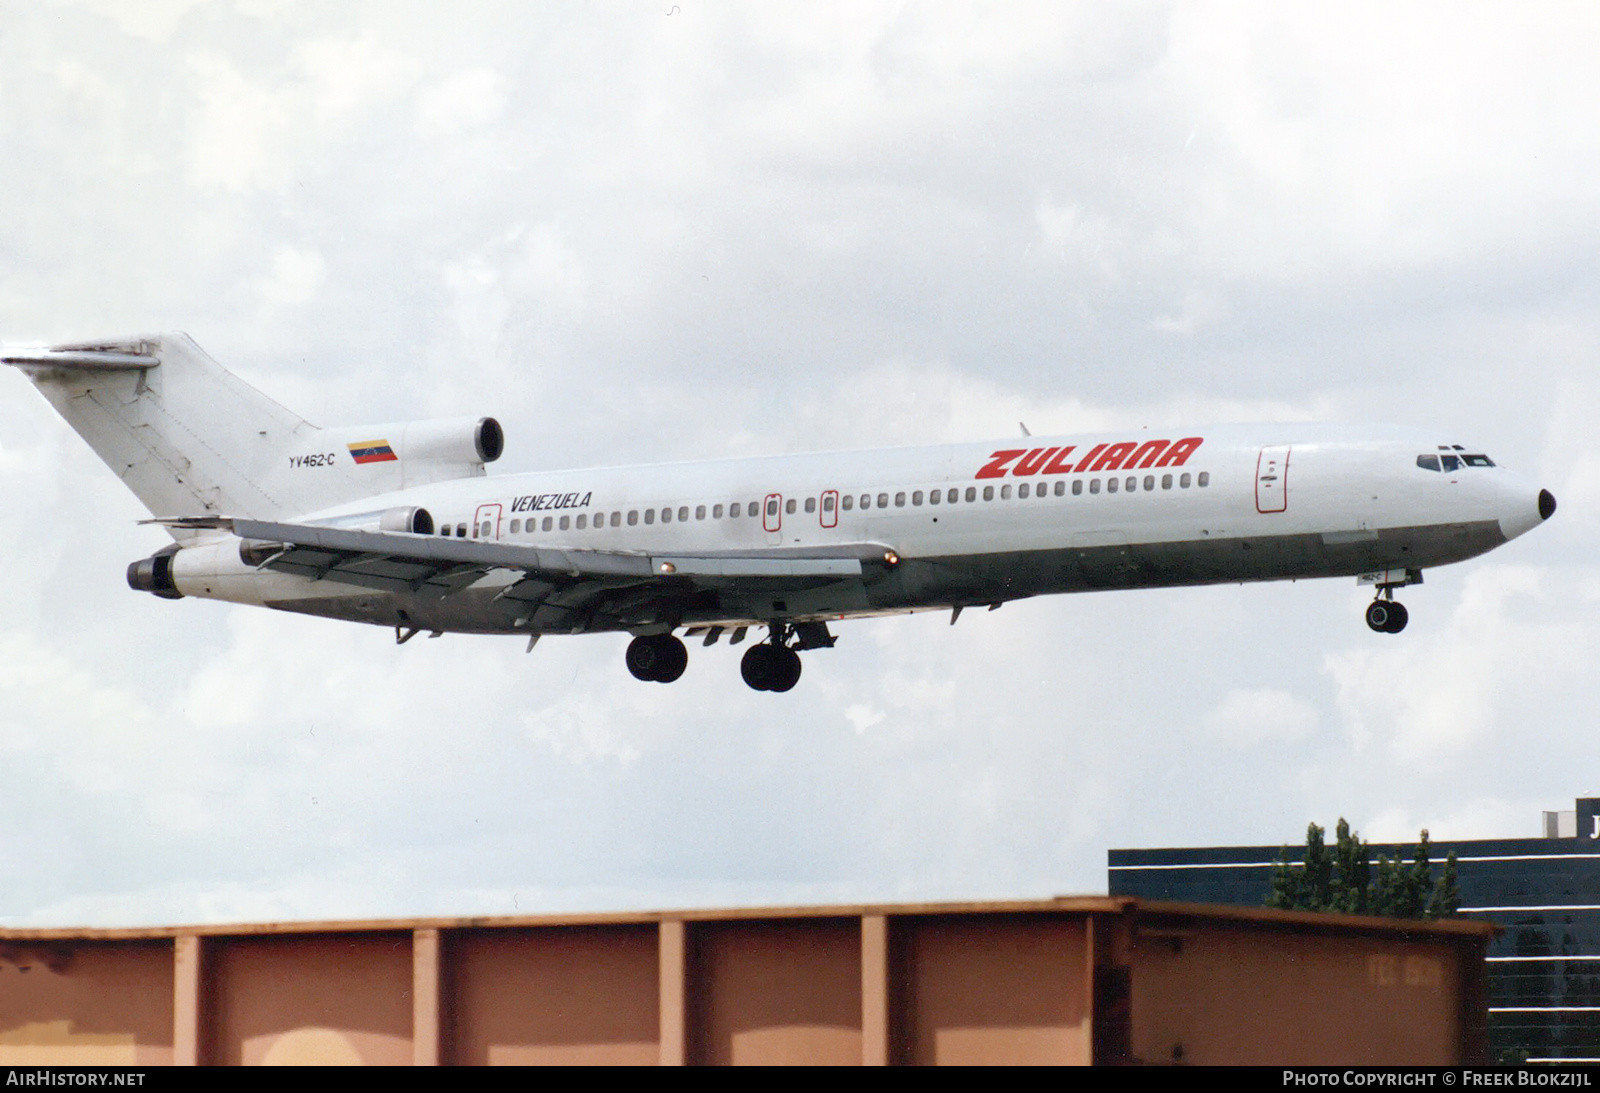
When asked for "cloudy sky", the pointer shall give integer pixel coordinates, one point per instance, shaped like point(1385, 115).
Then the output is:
point(656, 231)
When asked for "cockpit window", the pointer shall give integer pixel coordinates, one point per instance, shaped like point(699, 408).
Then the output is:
point(1452, 463)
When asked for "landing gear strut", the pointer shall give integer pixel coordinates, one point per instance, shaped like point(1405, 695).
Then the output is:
point(1383, 614)
point(658, 658)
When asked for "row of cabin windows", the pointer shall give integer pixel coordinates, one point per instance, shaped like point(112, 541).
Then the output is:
point(865, 501)
point(972, 493)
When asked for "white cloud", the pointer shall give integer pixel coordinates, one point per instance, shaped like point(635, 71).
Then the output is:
point(1250, 718)
point(748, 230)
point(295, 278)
point(1451, 694)
point(463, 100)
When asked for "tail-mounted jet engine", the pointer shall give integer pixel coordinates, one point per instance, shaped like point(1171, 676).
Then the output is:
point(455, 440)
point(154, 574)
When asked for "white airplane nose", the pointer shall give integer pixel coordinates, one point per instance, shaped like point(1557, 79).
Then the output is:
point(1523, 516)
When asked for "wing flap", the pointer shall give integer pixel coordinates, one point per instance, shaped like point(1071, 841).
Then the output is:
point(399, 561)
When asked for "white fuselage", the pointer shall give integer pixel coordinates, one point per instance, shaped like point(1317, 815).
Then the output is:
point(957, 524)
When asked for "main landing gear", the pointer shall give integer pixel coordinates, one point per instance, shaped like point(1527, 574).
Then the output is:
point(773, 665)
point(659, 658)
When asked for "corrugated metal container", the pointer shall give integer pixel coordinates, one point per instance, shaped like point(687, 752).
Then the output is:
point(1091, 980)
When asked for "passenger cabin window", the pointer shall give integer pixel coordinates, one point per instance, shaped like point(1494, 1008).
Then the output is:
point(1077, 487)
point(1203, 479)
point(1166, 481)
point(988, 493)
point(952, 495)
point(916, 497)
point(716, 512)
point(972, 493)
point(772, 507)
point(633, 517)
point(666, 516)
point(1022, 490)
point(788, 506)
point(848, 502)
point(683, 513)
point(900, 500)
point(811, 504)
point(1183, 480)
point(516, 526)
point(649, 516)
point(1094, 485)
point(1111, 485)
point(583, 521)
point(934, 497)
point(883, 500)
point(827, 504)
point(700, 512)
point(564, 523)
point(1005, 493)
point(461, 531)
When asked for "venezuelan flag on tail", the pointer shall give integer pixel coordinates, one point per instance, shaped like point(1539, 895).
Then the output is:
point(372, 451)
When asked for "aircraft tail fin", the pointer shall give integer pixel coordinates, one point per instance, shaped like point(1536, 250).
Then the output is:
point(184, 434)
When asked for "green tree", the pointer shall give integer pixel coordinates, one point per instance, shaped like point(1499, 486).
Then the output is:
point(1342, 879)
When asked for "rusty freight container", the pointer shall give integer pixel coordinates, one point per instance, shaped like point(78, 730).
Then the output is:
point(1072, 980)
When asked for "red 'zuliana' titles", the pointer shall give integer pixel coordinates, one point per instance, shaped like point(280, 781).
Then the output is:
point(1124, 455)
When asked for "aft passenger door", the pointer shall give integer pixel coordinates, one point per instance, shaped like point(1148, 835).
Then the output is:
point(1272, 478)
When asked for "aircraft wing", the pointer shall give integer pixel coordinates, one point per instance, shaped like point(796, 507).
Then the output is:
point(574, 582)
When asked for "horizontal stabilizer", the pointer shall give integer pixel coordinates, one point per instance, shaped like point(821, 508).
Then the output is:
point(92, 360)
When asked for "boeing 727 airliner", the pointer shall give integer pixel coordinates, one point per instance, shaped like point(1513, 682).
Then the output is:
point(398, 525)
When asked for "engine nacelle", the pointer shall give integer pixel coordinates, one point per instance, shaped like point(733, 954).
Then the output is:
point(154, 574)
point(414, 453)
point(454, 440)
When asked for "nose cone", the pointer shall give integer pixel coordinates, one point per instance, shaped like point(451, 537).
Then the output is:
point(1521, 513)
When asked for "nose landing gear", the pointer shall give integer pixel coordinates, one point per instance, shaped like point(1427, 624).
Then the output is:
point(1383, 614)
point(1387, 616)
